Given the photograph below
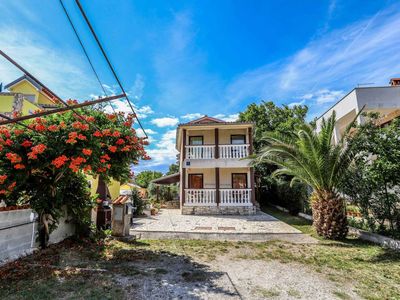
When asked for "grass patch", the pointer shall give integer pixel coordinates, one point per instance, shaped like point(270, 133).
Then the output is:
point(267, 293)
point(375, 271)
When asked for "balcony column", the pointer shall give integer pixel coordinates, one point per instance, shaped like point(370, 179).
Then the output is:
point(253, 188)
point(216, 135)
point(217, 195)
point(250, 141)
point(183, 170)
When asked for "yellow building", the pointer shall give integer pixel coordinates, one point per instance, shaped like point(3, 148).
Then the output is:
point(25, 96)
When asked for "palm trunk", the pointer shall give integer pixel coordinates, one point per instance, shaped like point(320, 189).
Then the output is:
point(329, 215)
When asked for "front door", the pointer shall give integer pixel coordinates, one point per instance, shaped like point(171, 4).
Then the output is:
point(195, 181)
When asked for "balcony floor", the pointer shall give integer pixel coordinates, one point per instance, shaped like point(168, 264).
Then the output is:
point(171, 224)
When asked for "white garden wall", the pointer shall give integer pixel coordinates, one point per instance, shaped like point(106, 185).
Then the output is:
point(18, 232)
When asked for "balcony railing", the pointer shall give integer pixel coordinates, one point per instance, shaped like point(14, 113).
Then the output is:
point(225, 151)
point(200, 152)
point(234, 151)
point(228, 197)
point(200, 197)
point(235, 197)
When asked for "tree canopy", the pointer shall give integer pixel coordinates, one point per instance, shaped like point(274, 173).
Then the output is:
point(144, 178)
point(270, 117)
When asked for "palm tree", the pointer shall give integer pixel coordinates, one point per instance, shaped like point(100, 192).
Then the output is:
point(314, 159)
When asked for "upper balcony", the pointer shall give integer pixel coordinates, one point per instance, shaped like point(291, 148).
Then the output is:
point(222, 151)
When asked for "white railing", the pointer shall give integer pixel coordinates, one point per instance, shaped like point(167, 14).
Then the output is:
point(235, 197)
point(200, 152)
point(234, 151)
point(200, 197)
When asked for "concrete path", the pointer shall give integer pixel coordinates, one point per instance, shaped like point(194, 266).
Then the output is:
point(171, 224)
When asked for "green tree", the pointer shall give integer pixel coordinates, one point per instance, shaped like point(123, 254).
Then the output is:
point(173, 168)
point(144, 178)
point(373, 184)
point(313, 159)
point(269, 117)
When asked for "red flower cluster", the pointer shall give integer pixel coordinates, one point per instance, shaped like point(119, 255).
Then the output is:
point(26, 144)
point(59, 161)
point(13, 157)
point(19, 166)
point(3, 178)
point(76, 162)
point(112, 149)
point(97, 134)
point(120, 142)
point(18, 132)
point(81, 126)
point(87, 152)
point(38, 149)
point(53, 128)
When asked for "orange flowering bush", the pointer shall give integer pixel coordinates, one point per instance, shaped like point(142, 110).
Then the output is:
point(37, 166)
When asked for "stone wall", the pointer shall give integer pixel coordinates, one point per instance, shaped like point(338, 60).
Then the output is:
point(18, 233)
point(219, 210)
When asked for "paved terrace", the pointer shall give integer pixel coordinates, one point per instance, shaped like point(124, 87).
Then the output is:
point(171, 224)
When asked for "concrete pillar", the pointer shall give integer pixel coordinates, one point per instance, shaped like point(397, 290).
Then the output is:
point(217, 195)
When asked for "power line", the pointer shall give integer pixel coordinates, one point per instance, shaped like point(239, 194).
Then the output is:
point(84, 51)
point(44, 86)
point(109, 63)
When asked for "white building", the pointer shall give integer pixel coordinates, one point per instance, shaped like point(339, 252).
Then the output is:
point(385, 100)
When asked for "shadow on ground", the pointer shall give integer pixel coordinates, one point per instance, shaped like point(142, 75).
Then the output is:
point(129, 270)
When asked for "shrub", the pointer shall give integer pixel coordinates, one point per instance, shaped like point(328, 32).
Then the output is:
point(279, 192)
point(138, 202)
point(373, 184)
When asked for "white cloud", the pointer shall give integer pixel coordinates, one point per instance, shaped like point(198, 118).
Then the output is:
point(192, 116)
point(227, 118)
point(302, 102)
point(165, 122)
point(164, 152)
point(138, 87)
point(122, 105)
point(328, 96)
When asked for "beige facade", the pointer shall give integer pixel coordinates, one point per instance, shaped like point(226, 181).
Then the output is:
point(215, 172)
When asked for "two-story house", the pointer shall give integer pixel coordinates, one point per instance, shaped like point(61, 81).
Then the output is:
point(215, 175)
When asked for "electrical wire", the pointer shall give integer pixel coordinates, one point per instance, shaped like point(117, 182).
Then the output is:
point(109, 63)
point(84, 51)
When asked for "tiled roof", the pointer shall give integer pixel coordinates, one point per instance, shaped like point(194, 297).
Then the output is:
point(122, 199)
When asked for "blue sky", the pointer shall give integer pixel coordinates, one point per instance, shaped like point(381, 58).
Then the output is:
point(183, 59)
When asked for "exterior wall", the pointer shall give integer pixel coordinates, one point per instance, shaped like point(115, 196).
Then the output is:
point(225, 180)
point(28, 107)
point(18, 230)
point(24, 87)
point(225, 135)
point(208, 177)
point(6, 103)
point(343, 107)
point(114, 188)
point(208, 136)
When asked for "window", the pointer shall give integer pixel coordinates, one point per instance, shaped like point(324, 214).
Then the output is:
point(238, 139)
point(239, 180)
point(195, 140)
point(195, 181)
